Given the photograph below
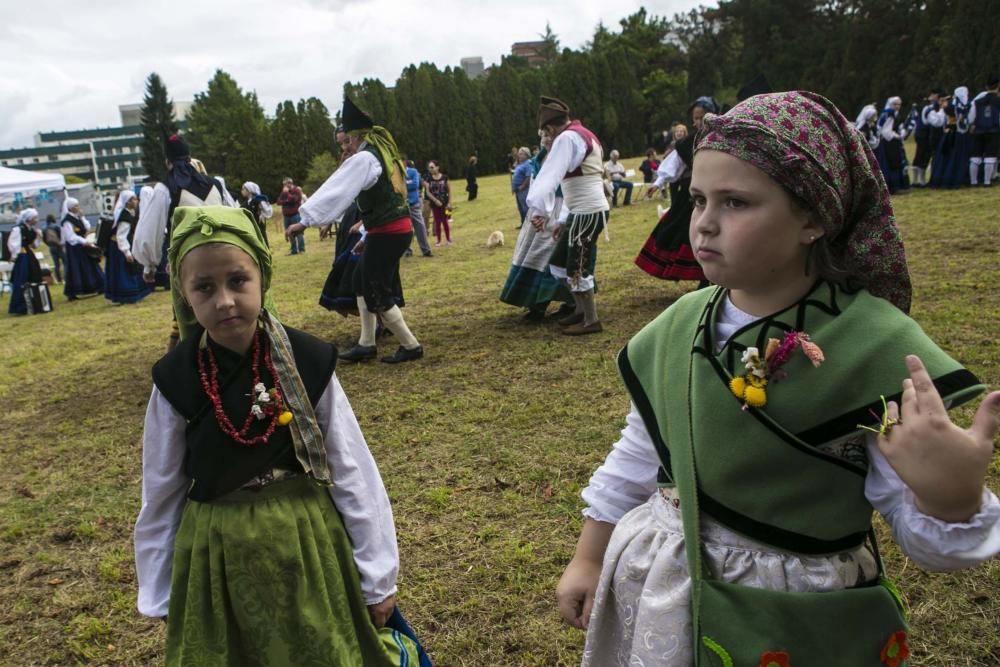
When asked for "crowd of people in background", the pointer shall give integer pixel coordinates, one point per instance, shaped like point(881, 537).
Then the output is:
point(957, 144)
point(957, 138)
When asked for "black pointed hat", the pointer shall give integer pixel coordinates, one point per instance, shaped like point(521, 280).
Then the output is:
point(353, 118)
point(758, 86)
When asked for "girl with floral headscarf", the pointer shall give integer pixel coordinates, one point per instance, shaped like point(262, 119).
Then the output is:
point(265, 534)
point(772, 414)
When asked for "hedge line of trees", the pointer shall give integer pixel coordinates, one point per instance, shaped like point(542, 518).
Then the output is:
point(626, 84)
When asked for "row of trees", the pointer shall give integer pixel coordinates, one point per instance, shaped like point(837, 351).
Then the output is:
point(230, 133)
point(626, 84)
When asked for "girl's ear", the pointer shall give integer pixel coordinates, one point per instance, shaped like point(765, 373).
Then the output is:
point(811, 230)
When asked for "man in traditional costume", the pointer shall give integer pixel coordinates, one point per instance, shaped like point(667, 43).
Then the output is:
point(576, 162)
point(374, 176)
point(186, 185)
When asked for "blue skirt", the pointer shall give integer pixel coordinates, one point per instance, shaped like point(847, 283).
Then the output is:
point(83, 274)
point(950, 168)
point(26, 270)
point(124, 282)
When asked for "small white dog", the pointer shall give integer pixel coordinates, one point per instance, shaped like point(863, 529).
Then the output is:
point(495, 240)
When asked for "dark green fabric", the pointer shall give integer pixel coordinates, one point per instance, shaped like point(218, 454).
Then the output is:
point(268, 578)
point(753, 465)
point(381, 203)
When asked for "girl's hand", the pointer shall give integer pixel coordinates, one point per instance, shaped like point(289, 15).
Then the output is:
point(575, 592)
point(943, 464)
point(381, 612)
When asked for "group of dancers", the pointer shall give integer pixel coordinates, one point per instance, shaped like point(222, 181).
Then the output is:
point(957, 139)
point(81, 255)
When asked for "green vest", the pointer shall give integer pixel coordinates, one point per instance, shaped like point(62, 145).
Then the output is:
point(767, 472)
point(381, 203)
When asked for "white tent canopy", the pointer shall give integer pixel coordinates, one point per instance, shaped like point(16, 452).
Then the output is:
point(29, 182)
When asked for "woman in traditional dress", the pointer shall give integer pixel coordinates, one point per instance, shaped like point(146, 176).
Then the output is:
point(83, 268)
point(890, 153)
point(124, 274)
point(21, 243)
point(866, 124)
point(257, 203)
point(667, 253)
point(951, 161)
point(530, 284)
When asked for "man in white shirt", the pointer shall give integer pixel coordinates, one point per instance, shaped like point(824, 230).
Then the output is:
point(615, 172)
point(576, 163)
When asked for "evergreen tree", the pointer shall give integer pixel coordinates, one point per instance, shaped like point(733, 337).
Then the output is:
point(320, 168)
point(228, 131)
point(287, 139)
point(158, 123)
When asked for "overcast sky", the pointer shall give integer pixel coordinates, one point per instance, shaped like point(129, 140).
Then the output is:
point(68, 66)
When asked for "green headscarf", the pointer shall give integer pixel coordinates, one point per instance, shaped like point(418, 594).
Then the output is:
point(194, 227)
point(383, 142)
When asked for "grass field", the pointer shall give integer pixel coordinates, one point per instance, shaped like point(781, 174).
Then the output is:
point(484, 445)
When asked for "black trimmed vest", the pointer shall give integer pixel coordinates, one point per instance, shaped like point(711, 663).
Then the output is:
point(215, 463)
point(767, 472)
point(381, 203)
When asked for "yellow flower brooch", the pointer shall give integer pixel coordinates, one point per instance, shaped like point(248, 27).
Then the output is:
point(751, 387)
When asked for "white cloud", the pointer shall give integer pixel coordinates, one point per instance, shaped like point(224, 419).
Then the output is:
point(70, 66)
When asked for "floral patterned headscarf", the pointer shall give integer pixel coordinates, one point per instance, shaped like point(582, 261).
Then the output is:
point(803, 142)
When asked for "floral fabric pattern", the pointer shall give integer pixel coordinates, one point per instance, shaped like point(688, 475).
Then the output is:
point(802, 141)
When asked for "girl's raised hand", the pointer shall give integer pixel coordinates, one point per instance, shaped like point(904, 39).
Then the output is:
point(943, 464)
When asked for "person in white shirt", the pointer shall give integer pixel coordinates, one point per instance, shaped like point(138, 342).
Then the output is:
point(575, 163)
point(614, 171)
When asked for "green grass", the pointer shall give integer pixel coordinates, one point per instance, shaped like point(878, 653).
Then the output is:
point(484, 445)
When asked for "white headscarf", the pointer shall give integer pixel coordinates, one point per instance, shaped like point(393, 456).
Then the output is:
point(27, 215)
point(68, 203)
point(252, 188)
point(888, 103)
point(866, 114)
point(962, 94)
point(124, 197)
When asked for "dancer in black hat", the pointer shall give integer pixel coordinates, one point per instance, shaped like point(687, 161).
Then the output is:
point(373, 174)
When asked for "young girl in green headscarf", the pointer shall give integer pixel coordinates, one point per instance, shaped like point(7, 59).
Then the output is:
point(731, 524)
point(265, 535)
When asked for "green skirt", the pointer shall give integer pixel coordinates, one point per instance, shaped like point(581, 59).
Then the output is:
point(268, 578)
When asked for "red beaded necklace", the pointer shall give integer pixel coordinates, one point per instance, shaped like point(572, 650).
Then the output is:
point(210, 383)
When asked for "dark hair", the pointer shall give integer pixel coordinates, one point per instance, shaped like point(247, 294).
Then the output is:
point(409, 163)
point(50, 218)
point(828, 258)
point(556, 121)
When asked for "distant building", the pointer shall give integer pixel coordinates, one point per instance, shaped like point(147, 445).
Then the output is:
point(132, 113)
point(532, 51)
point(106, 156)
point(473, 66)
